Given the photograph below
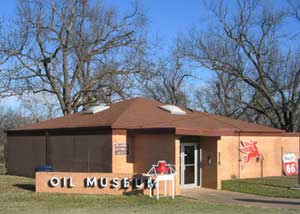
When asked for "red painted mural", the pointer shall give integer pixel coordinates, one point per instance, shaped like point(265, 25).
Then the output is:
point(250, 150)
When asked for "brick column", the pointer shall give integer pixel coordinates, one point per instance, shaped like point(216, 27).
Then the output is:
point(122, 163)
point(177, 165)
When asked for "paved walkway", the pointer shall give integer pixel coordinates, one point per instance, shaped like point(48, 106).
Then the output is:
point(227, 197)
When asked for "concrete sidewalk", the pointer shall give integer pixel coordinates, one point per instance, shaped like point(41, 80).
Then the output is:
point(227, 197)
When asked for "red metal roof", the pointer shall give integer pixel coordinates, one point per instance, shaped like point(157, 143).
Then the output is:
point(142, 113)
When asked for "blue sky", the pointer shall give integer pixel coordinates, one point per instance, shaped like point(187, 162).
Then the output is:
point(166, 18)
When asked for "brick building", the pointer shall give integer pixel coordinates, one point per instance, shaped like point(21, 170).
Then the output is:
point(130, 136)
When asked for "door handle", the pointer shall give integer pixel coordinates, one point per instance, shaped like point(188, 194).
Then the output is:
point(183, 155)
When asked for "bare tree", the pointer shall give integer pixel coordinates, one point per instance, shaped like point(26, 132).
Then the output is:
point(166, 80)
point(216, 96)
point(247, 44)
point(226, 95)
point(9, 119)
point(39, 106)
point(72, 49)
point(3, 59)
point(294, 9)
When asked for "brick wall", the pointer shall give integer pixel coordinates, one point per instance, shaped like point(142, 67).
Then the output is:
point(25, 153)
point(76, 182)
point(122, 163)
point(80, 153)
point(209, 170)
point(270, 146)
point(69, 153)
point(148, 149)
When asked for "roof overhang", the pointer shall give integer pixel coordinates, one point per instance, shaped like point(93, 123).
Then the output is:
point(232, 132)
point(205, 132)
point(167, 130)
point(152, 131)
point(61, 131)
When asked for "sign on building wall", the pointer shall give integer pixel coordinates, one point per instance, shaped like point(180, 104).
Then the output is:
point(290, 164)
point(121, 149)
point(250, 151)
point(95, 183)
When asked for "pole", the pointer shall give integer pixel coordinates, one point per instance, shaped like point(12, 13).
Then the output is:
point(261, 168)
point(88, 159)
point(299, 162)
point(46, 146)
point(298, 172)
point(4, 158)
point(239, 157)
point(281, 161)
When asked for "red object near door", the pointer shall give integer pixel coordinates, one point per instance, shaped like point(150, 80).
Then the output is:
point(162, 167)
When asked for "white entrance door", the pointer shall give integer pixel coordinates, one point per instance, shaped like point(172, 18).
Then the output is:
point(189, 165)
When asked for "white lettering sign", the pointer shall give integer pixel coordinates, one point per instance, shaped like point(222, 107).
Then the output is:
point(126, 183)
point(115, 182)
point(138, 182)
point(54, 182)
point(71, 183)
point(102, 182)
point(90, 182)
point(289, 158)
point(63, 182)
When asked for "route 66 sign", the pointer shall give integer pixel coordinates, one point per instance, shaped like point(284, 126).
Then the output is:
point(290, 164)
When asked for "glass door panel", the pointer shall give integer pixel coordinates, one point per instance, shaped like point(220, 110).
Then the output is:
point(189, 175)
point(188, 164)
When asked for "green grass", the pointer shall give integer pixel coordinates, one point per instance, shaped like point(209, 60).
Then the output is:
point(17, 196)
point(268, 186)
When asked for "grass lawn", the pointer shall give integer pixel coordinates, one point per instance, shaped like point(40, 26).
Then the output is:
point(269, 186)
point(17, 196)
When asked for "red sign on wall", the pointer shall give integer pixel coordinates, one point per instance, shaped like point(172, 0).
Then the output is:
point(250, 151)
point(290, 164)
